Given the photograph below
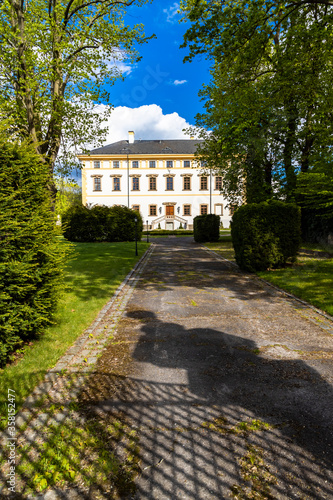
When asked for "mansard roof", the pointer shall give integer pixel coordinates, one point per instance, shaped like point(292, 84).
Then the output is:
point(150, 147)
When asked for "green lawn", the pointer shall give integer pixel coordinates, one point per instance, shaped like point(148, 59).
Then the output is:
point(223, 247)
point(93, 274)
point(310, 278)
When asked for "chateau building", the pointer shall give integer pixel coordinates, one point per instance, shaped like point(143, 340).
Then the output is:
point(159, 178)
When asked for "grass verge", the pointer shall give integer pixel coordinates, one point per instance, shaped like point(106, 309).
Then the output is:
point(223, 247)
point(310, 278)
point(93, 275)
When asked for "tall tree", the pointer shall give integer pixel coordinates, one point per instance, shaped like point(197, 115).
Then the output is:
point(56, 58)
point(269, 104)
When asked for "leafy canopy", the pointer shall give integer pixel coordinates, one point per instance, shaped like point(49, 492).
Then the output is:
point(57, 58)
point(269, 103)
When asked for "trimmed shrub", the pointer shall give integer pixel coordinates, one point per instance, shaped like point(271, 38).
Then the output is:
point(101, 223)
point(206, 228)
point(32, 256)
point(265, 235)
point(167, 232)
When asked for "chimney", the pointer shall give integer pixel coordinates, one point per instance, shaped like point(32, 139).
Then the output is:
point(130, 137)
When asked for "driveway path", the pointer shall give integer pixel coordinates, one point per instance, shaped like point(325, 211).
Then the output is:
point(226, 382)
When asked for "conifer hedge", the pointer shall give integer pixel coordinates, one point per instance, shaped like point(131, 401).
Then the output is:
point(101, 223)
point(265, 235)
point(206, 228)
point(32, 256)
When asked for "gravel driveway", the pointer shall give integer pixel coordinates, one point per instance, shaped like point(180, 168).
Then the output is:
point(226, 382)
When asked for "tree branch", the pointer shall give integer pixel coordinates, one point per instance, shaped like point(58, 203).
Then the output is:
point(68, 15)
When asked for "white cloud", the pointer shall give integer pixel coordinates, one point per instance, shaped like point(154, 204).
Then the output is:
point(172, 12)
point(179, 82)
point(148, 122)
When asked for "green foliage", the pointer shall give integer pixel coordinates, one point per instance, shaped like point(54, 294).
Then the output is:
point(265, 235)
point(206, 228)
point(68, 194)
point(315, 190)
point(102, 223)
point(317, 226)
point(31, 255)
point(267, 107)
point(56, 61)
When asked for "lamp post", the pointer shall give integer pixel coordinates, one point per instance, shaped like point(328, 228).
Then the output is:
point(147, 232)
point(136, 235)
point(127, 182)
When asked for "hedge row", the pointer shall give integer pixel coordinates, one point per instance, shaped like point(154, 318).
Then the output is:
point(32, 256)
point(101, 223)
point(265, 235)
point(167, 232)
point(206, 228)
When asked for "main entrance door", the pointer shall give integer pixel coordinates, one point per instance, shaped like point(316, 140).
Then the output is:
point(170, 210)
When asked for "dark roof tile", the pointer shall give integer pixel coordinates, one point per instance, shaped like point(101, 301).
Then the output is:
point(154, 147)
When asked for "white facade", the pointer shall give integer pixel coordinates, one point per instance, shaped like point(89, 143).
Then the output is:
point(164, 183)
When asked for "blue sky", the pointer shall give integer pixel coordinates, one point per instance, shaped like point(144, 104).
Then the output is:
point(159, 96)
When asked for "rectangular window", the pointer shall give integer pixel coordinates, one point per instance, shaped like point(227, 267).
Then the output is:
point(152, 183)
point(169, 163)
point(135, 164)
point(218, 183)
point(135, 183)
point(152, 210)
point(187, 163)
point(187, 210)
point(203, 209)
point(116, 164)
point(152, 164)
point(116, 184)
point(169, 184)
point(97, 184)
point(203, 164)
point(203, 183)
point(136, 207)
point(97, 164)
point(187, 184)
